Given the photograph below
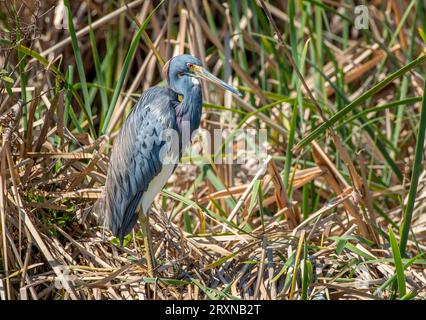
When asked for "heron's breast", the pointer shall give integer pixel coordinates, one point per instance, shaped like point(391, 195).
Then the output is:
point(155, 186)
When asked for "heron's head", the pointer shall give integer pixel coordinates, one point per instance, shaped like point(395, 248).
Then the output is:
point(182, 73)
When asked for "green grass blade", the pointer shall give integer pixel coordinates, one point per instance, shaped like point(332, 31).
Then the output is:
point(297, 106)
point(99, 74)
point(400, 276)
point(80, 67)
point(417, 169)
point(393, 104)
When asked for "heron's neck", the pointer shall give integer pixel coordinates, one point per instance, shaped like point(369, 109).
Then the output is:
point(188, 112)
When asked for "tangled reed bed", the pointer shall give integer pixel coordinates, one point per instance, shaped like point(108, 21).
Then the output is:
point(317, 228)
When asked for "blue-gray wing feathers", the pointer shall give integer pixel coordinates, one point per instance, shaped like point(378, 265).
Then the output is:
point(135, 159)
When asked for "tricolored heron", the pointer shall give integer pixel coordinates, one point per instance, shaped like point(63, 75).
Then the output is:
point(137, 171)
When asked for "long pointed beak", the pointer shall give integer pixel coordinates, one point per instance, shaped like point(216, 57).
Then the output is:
point(200, 72)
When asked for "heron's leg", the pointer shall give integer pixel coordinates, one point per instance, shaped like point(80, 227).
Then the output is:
point(149, 251)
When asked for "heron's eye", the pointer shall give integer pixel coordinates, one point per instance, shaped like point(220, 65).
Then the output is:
point(190, 66)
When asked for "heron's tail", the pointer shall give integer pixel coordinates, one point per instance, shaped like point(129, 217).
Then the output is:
point(108, 221)
point(102, 213)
